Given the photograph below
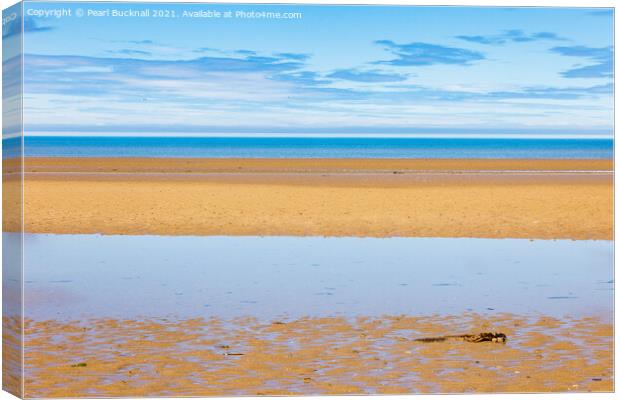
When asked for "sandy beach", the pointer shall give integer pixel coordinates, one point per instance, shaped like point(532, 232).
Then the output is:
point(535, 199)
point(216, 357)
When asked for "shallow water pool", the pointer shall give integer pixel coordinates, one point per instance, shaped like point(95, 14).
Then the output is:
point(91, 276)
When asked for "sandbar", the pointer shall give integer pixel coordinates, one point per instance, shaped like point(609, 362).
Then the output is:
point(534, 199)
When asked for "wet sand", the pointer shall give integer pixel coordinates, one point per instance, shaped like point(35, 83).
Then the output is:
point(536, 199)
point(215, 357)
point(305, 165)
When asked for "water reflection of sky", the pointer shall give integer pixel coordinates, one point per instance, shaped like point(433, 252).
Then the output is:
point(80, 276)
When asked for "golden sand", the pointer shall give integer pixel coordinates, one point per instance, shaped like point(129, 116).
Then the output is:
point(308, 197)
point(110, 357)
point(433, 198)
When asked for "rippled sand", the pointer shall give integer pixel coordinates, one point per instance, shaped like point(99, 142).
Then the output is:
point(109, 357)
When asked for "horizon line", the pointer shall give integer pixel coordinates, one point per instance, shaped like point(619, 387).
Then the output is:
point(600, 136)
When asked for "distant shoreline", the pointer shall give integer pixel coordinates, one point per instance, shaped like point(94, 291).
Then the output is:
point(303, 165)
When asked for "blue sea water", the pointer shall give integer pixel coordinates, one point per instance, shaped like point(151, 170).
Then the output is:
point(309, 147)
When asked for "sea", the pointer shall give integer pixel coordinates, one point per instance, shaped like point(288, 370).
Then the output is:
point(309, 147)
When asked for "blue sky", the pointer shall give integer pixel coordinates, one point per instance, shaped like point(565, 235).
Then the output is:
point(338, 68)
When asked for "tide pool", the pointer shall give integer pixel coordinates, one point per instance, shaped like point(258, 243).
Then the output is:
point(71, 277)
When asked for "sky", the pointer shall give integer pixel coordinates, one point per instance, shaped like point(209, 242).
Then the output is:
point(334, 69)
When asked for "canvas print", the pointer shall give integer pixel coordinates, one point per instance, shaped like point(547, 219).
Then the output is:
point(297, 199)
